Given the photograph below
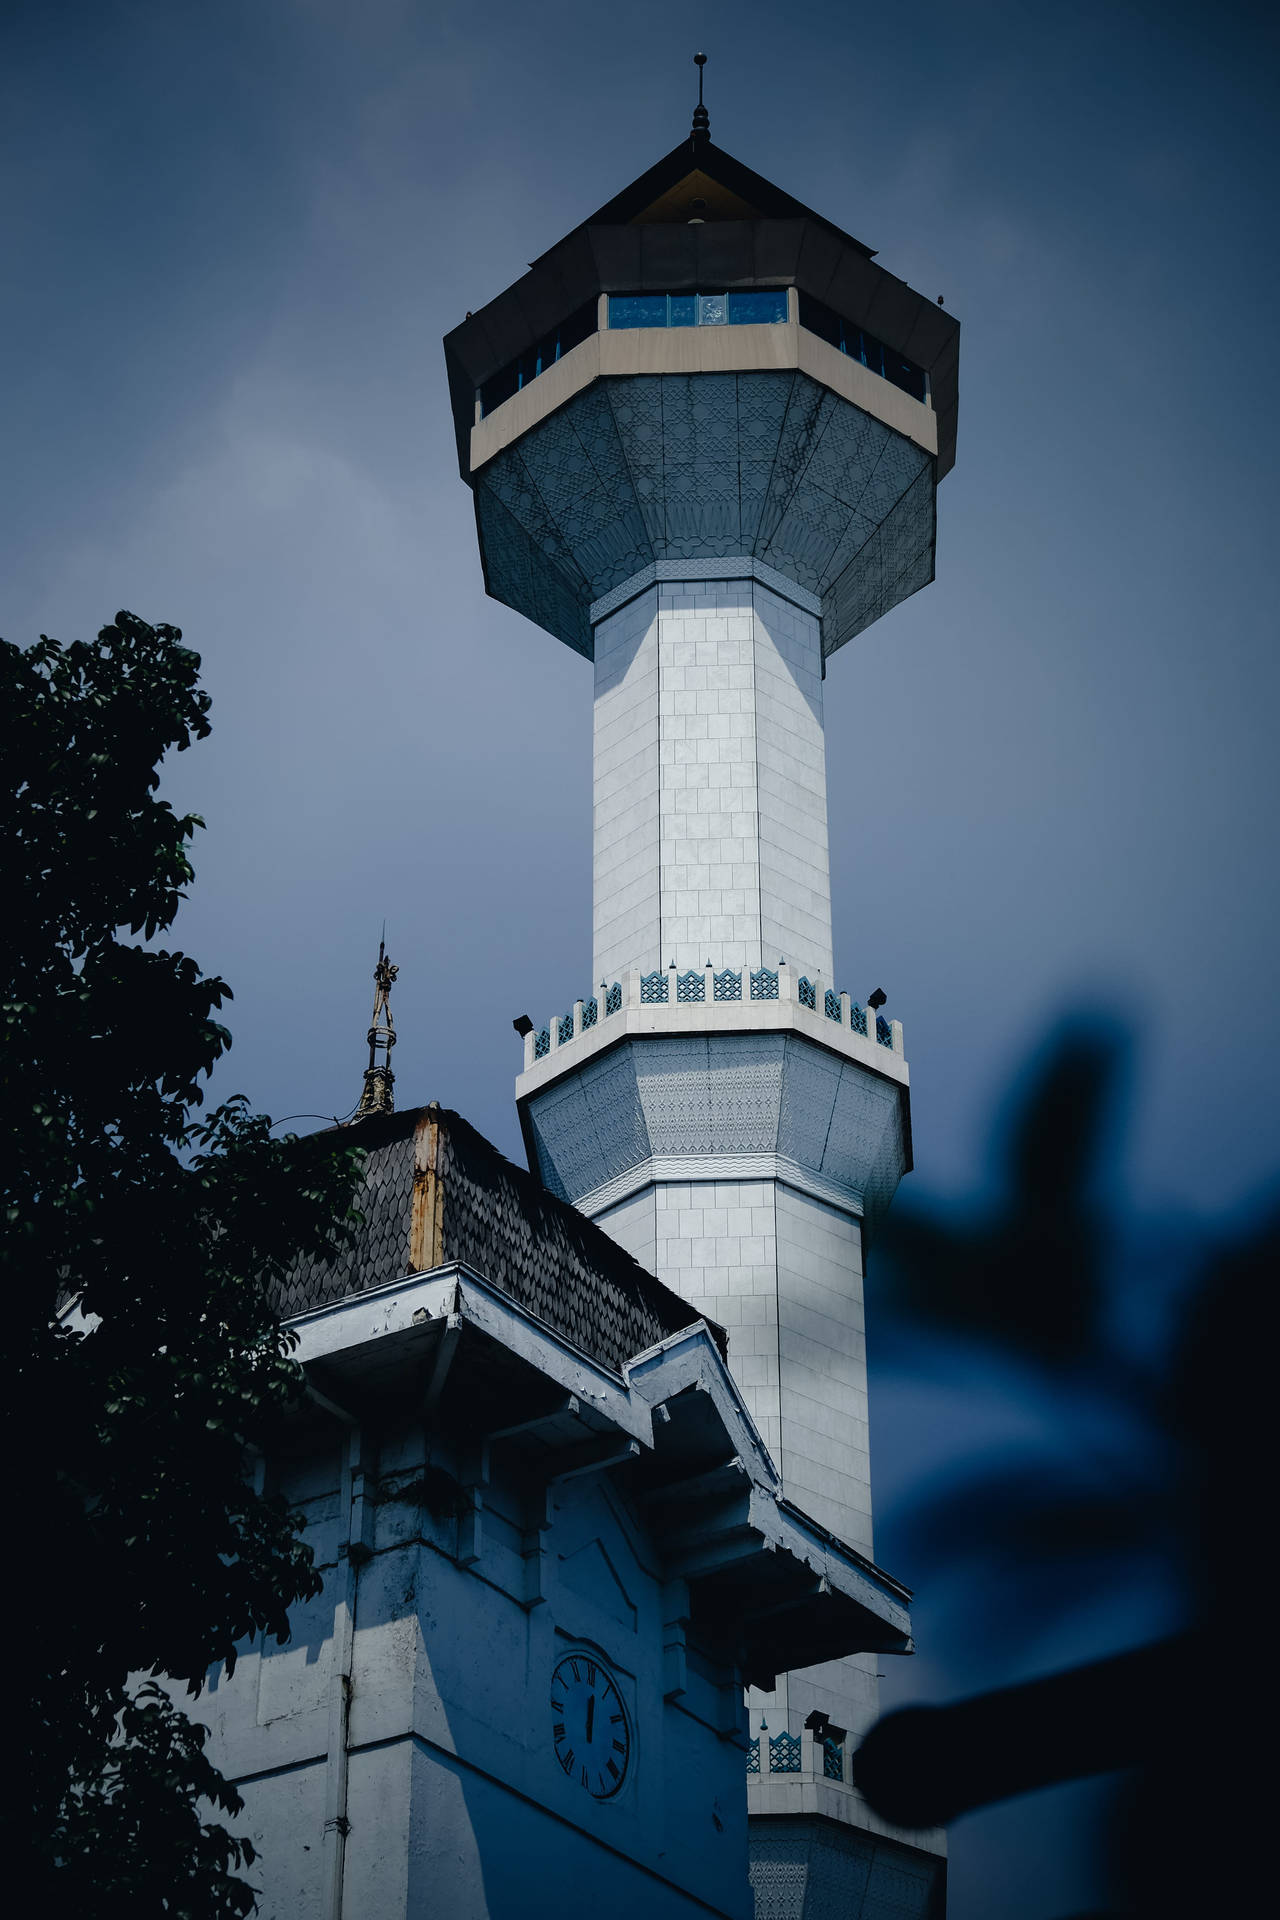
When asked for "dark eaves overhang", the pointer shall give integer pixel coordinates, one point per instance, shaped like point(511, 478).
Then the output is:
point(787, 244)
point(764, 1581)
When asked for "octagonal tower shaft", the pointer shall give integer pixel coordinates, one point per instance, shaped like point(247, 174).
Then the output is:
point(710, 802)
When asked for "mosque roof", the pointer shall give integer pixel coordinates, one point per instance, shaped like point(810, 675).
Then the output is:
point(436, 1192)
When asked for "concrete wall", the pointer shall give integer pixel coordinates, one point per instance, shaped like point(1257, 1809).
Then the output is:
point(455, 1801)
point(710, 782)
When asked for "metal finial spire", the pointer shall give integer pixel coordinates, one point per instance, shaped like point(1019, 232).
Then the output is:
point(701, 118)
point(379, 1081)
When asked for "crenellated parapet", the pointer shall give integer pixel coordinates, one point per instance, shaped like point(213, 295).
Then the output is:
point(708, 987)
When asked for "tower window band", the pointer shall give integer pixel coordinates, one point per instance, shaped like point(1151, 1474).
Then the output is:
point(861, 345)
point(763, 306)
point(544, 353)
point(758, 306)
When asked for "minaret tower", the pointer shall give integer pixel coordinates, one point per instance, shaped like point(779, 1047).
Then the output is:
point(704, 434)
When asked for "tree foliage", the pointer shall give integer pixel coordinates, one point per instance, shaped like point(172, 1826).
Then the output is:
point(140, 1242)
point(1145, 1460)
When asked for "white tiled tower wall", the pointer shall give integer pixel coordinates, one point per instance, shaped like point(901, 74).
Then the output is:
point(710, 843)
point(782, 1272)
point(710, 782)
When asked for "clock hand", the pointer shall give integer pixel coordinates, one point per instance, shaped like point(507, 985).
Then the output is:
point(591, 1715)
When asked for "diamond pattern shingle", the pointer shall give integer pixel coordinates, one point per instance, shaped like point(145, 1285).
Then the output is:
point(435, 1191)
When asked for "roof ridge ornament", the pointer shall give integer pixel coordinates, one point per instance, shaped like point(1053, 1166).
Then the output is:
point(701, 118)
point(378, 1095)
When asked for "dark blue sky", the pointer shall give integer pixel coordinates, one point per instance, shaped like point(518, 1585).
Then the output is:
point(234, 236)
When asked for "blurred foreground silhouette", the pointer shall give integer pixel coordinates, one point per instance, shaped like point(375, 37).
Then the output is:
point(1187, 1719)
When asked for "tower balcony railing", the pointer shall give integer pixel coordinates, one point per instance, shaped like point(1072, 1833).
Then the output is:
point(710, 985)
point(821, 1752)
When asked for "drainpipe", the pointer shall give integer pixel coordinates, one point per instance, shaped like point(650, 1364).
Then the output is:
point(357, 1512)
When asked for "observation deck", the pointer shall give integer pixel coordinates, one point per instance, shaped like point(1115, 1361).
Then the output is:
point(669, 385)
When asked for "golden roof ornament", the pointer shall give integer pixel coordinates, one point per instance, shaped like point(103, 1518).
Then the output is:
point(379, 1080)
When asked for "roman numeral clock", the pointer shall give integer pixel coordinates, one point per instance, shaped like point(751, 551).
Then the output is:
point(589, 1725)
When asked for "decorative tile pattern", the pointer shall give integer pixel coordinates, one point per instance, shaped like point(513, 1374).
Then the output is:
point(810, 1869)
point(679, 467)
point(716, 1094)
point(721, 1095)
point(809, 1093)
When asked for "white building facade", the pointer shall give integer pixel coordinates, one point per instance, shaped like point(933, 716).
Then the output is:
point(552, 1549)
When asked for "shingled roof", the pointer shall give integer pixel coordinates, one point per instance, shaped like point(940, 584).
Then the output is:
point(436, 1192)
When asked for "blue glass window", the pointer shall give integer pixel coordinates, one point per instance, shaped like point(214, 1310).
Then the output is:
point(757, 306)
point(637, 309)
point(762, 307)
point(542, 354)
point(861, 345)
point(754, 306)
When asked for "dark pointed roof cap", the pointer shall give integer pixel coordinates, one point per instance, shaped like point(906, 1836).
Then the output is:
point(760, 199)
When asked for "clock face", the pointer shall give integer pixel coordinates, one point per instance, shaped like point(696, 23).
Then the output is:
point(589, 1725)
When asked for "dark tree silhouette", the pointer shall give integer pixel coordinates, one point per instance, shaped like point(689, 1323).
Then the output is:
point(1178, 1480)
point(141, 1362)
